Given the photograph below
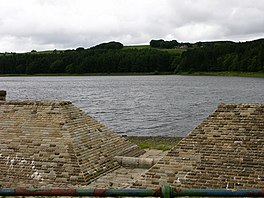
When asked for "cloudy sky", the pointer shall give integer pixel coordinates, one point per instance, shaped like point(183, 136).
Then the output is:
point(68, 24)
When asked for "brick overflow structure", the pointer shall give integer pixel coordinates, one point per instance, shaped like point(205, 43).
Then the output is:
point(55, 144)
point(225, 151)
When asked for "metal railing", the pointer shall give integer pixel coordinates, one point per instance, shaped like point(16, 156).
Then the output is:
point(165, 192)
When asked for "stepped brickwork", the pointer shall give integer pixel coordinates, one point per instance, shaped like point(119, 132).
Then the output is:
point(128, 173)
point(54, 144)
point(225, 151)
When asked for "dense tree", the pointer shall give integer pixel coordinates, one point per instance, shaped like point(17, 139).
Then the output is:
point(71, 69)
point(223, 56)
point(164, 44)
point(87, 61)
point(109, 45)
point(169, 44)
point(80, 49)
point(108, 58)
point(57, 67)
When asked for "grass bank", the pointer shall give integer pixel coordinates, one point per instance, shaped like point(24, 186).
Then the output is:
point(241, 74)
point(93, 74)
point(154, 142)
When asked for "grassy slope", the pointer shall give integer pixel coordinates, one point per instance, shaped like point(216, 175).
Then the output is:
point(136, 47)
point(176, 51)
point(154, 142)
point(242, 74)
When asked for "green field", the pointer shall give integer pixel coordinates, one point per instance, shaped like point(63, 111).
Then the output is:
point(241, 74)
point(136, 47)
point(176, 51)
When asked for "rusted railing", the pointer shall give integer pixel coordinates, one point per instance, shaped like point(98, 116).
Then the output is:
point(164, 192)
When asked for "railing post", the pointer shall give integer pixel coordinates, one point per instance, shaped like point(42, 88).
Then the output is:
point(166, 191)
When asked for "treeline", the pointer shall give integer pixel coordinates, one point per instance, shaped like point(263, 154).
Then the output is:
point(94, 60)
point(223, 56)
point(161, 44)
point(113, 57)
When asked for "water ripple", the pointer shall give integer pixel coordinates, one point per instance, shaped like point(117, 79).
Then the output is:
point(141, 105)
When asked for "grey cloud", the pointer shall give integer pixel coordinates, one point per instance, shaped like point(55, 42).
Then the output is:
point(231, 16)
point(69, 24)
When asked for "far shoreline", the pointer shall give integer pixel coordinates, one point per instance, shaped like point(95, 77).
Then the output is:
point(239, 74)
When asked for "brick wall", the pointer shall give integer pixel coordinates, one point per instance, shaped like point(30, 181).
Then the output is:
point(225, 151)
point(55, 144)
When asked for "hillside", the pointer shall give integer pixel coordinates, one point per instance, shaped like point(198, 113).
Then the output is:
point(162, 57)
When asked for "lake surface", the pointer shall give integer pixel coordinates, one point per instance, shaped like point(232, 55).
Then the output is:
point(141, 105)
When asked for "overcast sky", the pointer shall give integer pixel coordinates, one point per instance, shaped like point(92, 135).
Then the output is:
point(68, 24)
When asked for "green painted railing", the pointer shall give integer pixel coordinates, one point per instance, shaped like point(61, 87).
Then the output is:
point(164, 192)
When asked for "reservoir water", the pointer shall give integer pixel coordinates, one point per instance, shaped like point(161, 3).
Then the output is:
point(140, 105)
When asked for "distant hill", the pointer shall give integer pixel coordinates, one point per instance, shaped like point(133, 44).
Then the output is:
point(159, 56)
